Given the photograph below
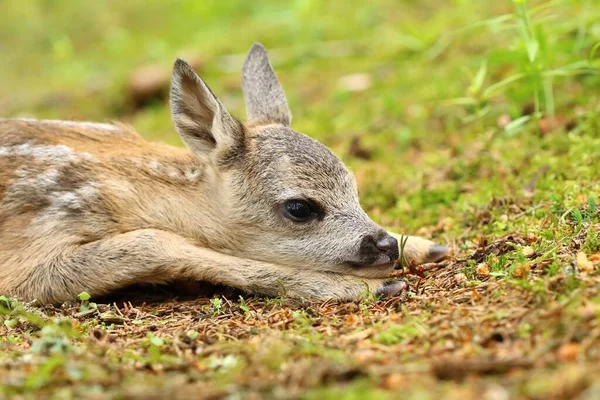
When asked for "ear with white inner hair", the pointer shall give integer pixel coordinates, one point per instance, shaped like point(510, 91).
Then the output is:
point(201, 120)
point(264, 96)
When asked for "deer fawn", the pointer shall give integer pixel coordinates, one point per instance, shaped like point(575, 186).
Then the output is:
point(256, 206)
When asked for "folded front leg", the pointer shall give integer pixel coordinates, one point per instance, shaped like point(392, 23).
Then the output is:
point(149, 255)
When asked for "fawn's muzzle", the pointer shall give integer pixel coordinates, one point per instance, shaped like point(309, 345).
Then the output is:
point(377, 250)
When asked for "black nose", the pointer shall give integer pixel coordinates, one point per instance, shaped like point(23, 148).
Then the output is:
point(386, 243)
point(374, 246)
point(389, 246)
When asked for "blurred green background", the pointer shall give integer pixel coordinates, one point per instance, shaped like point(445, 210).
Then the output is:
point(438, 106)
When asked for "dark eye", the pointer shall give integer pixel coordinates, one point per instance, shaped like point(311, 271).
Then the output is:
point(298, 210)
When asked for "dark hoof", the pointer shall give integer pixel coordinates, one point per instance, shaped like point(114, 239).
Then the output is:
point(437, 253)
point(391, 289)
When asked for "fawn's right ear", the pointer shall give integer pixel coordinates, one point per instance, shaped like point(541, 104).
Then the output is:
point(265, 99)
point(200, 118)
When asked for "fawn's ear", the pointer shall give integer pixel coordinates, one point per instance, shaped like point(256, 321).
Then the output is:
point(264, 95)
point(200, 118)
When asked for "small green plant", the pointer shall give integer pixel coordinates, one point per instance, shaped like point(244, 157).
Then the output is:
point(592, 205)
point(244, 306)
point(403, 260)
point(55, 338)
point(577, 216)
point(592, 241)
point(84, 296)
point(223, 364)
point(216, 306)
point(532, 60)
point(469, 269)
point(5, 304)
point(154, 340)
point(498, 265)
point(555, 267)
point(399, 333)
point(524, 330)
point(367, 299)
point(86, 305)
point(192, 334)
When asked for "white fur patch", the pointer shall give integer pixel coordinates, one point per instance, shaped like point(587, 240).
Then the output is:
point(193, 175)
point(61, 203)
point(46, 180)
point(55, 154)
point(38, 181)
point(154, 165)
point(68, 200)
point(158, 169)
point(173, 173)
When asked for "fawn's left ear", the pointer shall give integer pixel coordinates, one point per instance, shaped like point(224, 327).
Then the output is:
point(200, 118)
point(264, 96)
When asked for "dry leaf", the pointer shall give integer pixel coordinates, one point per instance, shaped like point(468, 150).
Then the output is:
point(532, 237)
point(595, 258)
point(521, 270)
point(568, 351)
point(392, 381)
point(527, 251)
point(483, 271)
point(583, 263)
point(460, 278)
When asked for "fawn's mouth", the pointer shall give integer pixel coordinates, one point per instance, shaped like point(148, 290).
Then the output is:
point(378, 261)
point(383, 261)
point(379, 269)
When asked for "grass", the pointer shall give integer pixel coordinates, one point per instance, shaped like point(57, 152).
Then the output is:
point(472, 123)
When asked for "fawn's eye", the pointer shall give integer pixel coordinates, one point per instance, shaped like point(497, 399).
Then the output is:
point(299, 210)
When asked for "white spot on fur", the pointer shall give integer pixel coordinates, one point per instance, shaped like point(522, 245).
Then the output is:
point(47, 179)
point(47, 153)
point(73, 200)
point(61, 204)
point(88, 191)
point(56, 154)
point(193, 175)
point(87, 156)
point(62, 200)
point(154, 165)
point(159, 169)
point(33, 183)
point(173, 173)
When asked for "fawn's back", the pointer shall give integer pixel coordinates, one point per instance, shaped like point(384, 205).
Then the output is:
point(65, 184)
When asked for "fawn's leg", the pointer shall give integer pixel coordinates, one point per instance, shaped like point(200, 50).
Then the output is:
point(157, 256)
point(418, 251)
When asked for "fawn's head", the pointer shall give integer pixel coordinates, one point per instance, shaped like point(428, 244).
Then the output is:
point(282, 197)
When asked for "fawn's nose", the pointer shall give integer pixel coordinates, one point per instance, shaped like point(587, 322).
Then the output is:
point(378, 249)
point(386, 243)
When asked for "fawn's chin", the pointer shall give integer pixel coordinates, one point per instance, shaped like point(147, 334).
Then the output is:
point(379, 270)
